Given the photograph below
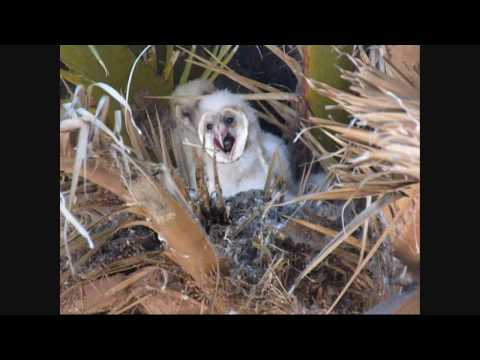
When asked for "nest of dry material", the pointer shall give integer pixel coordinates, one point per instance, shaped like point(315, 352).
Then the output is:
point(261, 255)
point(158, 249)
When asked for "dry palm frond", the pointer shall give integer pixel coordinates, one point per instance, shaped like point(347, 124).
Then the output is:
point(260, 91)
point(382, 148)
point(145, 291)
point(154, 196)
point(379, 153)
point(385, 142)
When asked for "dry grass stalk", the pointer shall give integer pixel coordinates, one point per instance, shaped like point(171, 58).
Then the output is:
point(364, 262)
point(382, 149)
point(159, 202)
point(201, 182)
point(220, 203)
point(143, 291)
point(372, 210)
point(350, 240)
point(288, 113)
point(393, 149)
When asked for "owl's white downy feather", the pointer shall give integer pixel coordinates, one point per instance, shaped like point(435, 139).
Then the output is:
point(184, 107)
point(249, 169)
point(242, 149)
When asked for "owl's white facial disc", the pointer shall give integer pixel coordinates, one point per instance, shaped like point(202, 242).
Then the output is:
point(225, 132)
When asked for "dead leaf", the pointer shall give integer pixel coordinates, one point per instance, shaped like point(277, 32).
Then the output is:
point(93, 296)
point(170, 302)
point(405, 58)
point(406, 238)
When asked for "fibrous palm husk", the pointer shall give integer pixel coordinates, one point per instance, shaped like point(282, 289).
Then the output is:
point(381, 146)
point(384, 144)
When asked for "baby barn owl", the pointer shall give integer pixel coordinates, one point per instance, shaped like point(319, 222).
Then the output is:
point(185, 113)
point(230, 127)
point(242, 149)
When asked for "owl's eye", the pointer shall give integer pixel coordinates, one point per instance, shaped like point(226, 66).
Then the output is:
point(209, 126)
point(228, 120)
point(186, 113)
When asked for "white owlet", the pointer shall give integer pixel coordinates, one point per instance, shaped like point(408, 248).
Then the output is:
point(231, 129)
point(242, 149)
point(184, 109)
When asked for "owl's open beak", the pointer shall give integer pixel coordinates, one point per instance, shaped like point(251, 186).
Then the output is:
point(228, 142)
point(224, 142)
point(228, 147)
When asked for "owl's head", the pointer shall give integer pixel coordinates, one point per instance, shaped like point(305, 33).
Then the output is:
point(224, 122)
point(185, 105)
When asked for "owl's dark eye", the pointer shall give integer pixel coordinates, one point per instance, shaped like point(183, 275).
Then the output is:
point(209, 126)
point(186, 113)
point(228, 120)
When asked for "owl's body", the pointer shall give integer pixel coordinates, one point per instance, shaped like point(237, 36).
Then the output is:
point(250, 171)
point(243, 151)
